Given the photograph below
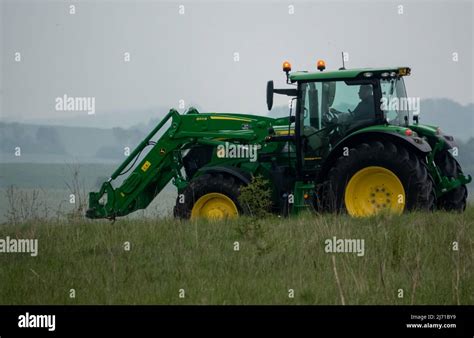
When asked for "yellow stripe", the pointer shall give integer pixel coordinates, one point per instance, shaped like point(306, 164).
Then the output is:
point(230, 118)
point(312, 158)
point(284, 132)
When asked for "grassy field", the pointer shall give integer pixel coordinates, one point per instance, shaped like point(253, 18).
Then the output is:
point(168, 259)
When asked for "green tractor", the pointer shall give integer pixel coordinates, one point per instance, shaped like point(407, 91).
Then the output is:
point(350, 145)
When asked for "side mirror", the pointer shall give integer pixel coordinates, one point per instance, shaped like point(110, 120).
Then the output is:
point(270, 95)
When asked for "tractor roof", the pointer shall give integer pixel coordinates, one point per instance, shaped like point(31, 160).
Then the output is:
point(345, 73)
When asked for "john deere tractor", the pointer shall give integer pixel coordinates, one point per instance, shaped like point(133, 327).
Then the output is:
point(340, 149)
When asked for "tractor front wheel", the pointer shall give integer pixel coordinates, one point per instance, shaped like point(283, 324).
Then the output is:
point(378, 176)
point(210, 196)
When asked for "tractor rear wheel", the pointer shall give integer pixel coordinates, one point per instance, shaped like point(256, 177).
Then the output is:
point(378, 176)
point(210, 196)
point(454, 200)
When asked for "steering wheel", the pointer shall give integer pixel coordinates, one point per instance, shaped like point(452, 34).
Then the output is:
point(331, 117)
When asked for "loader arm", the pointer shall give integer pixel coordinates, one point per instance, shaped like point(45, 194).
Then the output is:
point(163, 162)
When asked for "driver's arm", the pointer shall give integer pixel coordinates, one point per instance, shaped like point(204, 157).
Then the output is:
point(340, 117)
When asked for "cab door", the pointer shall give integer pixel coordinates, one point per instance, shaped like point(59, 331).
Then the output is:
point(311, 137)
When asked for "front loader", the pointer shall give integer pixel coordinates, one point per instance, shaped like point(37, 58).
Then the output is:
point(349, 145)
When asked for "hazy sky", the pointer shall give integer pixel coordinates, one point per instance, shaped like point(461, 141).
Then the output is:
point(191, 56)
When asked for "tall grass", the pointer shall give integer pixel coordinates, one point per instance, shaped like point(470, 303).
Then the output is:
point(412, 252)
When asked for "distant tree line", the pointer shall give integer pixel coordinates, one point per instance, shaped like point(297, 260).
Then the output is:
point(45, 140)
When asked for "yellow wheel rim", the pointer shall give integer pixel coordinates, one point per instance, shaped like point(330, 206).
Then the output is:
point(372, 190)
point(214, 206)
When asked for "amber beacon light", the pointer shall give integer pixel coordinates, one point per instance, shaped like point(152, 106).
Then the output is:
point(321, 65)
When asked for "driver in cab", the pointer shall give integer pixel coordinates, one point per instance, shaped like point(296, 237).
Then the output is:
point(364, 110)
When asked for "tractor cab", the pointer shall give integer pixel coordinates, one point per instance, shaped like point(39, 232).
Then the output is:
point(334, 104)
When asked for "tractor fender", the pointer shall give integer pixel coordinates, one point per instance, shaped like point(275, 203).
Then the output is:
point(448, 141)
point(415, 144)
point(237, 173)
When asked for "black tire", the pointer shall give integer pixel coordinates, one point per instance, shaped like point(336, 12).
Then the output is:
point(205, 184)
point(407, 166)
point(454, 200)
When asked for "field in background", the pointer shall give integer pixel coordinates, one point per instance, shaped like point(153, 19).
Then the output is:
point(50, 182)
point(412, 252)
